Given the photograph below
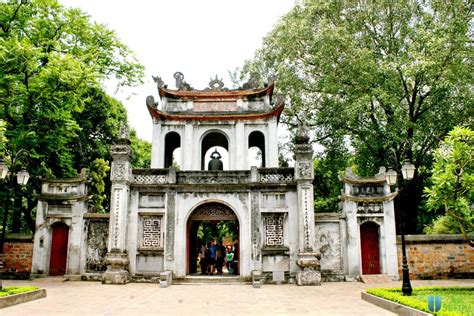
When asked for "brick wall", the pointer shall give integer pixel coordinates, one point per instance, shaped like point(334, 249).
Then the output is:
point(18, 255)
point(437, 257)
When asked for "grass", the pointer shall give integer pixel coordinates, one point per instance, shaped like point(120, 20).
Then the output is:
point(10, 290)
point(455, 301)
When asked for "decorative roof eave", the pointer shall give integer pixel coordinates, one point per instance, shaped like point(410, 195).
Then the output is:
point(211, 93)
point(369, 199)
point(215, 116)
point(364, 180)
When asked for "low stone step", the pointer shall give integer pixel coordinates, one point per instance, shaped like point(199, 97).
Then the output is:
point(375, 278)
point(211, 279)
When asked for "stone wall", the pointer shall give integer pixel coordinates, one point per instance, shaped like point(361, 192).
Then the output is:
point(437, 257)
point(18, 254)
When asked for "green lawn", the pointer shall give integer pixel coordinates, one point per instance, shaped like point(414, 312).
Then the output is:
point(454, 300)
point(9, 290)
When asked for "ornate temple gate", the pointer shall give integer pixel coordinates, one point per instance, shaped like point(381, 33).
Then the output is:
point(369, 244)
point(213, 212)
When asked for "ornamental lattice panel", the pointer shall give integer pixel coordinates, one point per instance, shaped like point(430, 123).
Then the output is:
point(151, 232)
point(150, 179)
point(273, 230)
point(276, 178)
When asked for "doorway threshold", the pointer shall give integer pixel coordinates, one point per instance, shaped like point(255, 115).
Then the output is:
point(212, 279)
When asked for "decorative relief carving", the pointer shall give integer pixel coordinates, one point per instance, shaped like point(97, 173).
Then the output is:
point(150, 179)
point(369, 208)
point(97, 234)
point(329, 243)
point(151, 232)
point(213, 211)
point(119, 170)
point(305, 169)
point(273, 224)
point(118, 150)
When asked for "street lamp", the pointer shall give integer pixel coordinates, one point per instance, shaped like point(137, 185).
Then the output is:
point(408, 172)
point(22, 178)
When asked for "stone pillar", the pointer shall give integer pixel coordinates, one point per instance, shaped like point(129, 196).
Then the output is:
point(271, 142)
point(241, 147)
point(308, 258)
point(187, 151)
point(121, 175)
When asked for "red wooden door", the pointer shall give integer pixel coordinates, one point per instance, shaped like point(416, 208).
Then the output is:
point(369, 240)
point(58, 259)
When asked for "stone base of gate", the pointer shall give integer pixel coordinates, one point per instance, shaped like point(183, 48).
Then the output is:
point(311, 274)
point(117, 264)
point(308, 277)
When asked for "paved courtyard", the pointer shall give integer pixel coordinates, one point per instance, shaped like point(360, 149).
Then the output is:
point(93, 298)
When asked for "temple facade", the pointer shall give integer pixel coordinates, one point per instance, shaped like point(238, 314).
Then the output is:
point(202, 171)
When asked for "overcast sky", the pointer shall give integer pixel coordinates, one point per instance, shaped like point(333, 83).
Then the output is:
point(199, 38)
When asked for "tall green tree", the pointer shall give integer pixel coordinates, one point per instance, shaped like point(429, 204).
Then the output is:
point(53, 63)
point(385, 74)
point(452, 188)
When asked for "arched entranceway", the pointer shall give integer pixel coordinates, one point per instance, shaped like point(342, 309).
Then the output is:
point(59, 243)
point(369, 244)
point(212, 221)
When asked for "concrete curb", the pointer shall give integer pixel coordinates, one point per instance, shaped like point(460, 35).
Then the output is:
point(394, 307)
point(21, 298)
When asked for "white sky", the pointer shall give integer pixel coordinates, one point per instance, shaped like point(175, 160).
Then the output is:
point(199, 38)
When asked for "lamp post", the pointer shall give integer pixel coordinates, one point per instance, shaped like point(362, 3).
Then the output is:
point(22, 178)
point(408, 172)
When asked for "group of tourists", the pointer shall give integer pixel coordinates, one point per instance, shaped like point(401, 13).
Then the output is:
point(213, 257)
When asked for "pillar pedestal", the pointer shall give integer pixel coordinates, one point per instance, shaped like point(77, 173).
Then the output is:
point(117, 264)
point(311, 274)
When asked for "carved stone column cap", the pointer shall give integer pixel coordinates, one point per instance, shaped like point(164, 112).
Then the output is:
point(301, 136)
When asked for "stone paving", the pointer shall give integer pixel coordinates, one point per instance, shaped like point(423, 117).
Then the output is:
point(93, 298)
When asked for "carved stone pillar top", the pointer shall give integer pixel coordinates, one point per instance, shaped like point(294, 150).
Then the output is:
point(121, 149)
point(303, 155)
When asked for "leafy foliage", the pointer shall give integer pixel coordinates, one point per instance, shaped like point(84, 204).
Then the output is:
point(141, 151)
point(453, 183)
point(208, 231)
point(3, 139)
point(97, 173)
point(378, 74)
point(456, 300)
point(10, 290)
point(53, 62)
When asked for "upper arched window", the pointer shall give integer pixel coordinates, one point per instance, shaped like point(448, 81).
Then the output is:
point(172, 148)
point(214, 140)
point(256, 152)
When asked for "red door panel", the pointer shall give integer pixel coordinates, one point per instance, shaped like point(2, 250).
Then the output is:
point(369, 240)
point(58, 259)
